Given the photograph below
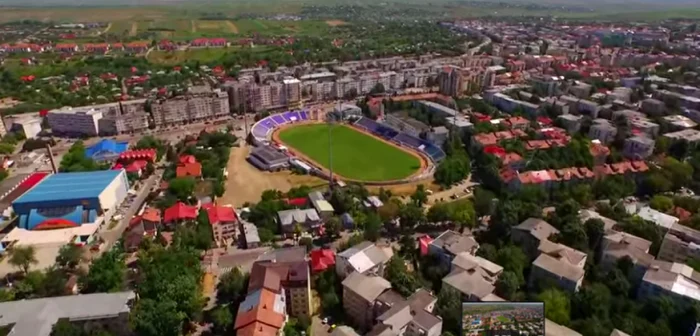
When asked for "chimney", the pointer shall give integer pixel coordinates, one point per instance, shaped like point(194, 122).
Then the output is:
point(51, 159)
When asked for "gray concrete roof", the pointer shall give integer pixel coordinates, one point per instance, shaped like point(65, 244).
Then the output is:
point(538, 228)
point(295, 216)
point(37, 317)
point(455, 243)
point(367, 287)
point(558, 267)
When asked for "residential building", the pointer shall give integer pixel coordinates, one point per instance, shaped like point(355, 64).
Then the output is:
point(75, 121)
point(554, 329)
point(581, 90)
point(676, 280)
point(603, 130)
point(249, 234)
point(679, 122)
point(290, 269)
point(262, 312)
point(638, 147)
point(570, 122)
point(364, 258)
point(89, 312)
point(474, 277)
point(691, 136)
point(359, 295)
point(223, 221)
point(344, 331)
point(617, 245)
point(681, 244)
point(653, 107)
point(197, 106)
point(307, 219)
point(545, 85)
point(28, 123)
point(455, 81)
point(530, 233)
point(664, 221)
point(561, 273)
point(124, 117)
point(410, 317)
point(450, 243)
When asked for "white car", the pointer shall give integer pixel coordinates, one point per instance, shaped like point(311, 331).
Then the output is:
point(325, 320)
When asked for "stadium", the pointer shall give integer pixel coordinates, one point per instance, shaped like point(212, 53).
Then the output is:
point(357, 148)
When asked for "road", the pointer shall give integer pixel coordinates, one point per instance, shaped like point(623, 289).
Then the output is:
point(110, 236)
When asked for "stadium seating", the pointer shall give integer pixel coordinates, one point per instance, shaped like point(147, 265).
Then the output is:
point(304, 115)
point(279, 119)
point(384, 131)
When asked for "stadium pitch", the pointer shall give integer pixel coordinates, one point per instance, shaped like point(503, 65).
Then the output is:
point(356, 155)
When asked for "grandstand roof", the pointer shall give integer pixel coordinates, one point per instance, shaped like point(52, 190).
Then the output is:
point(69, 186)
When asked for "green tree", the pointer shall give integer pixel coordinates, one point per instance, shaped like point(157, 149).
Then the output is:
point(182, 188)
point(266, 235)
point(449, 307)
point(232, 286)
point(556, 305)
point(420, 196)
point(69, 256)
point(507, 285)
point(23, 257)
point(411, 215)
point(223, 319)
point(401, 280)
point(483, 201)
point(333, 227)
point(107, 274)
point(661, 203)
point(595, 230)
point(373, 227)
point(156, 318)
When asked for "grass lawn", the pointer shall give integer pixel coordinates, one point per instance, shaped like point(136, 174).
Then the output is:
point(503, 319)
point(355, 155)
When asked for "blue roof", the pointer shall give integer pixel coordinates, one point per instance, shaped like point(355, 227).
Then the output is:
point(106, 147)
point(68, 186)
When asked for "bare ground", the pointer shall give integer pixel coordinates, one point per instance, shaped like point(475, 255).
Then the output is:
point(334, 23)
point(246, 183)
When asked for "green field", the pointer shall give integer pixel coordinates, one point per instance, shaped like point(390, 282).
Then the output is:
point(503, 319)
point(355, 155)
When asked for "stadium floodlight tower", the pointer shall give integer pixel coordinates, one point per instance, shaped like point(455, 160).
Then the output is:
point(330, 120)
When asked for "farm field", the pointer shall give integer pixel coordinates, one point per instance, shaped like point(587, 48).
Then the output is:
point(204, 55)
point(355, 155)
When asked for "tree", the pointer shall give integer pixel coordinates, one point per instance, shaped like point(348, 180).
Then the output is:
point(182, 188)
point(593, 300)
point(222, 319)
point(373, 227)
point(266, 235)
point(411, 215)
point(107, 274)
point(420, 196)
point(401, 280)
point(69, 256)
point(595, 230)
point(483, 201)
point(379, 88)
point(333, 227)
point(556, 305)
point(661, 203)
point(507, 285)
point(23, 257)
point(63, 327)
point(307, 242)
point(156, 318)
point(408, 247)
point(232, 286)
point(449, 307)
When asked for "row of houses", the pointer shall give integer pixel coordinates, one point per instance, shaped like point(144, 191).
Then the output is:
point(101, 48)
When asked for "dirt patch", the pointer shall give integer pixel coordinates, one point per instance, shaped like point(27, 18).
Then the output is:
point(246, 183)
point(232, 27)
point(335, 23)
point(134, 29)
point(422, 159)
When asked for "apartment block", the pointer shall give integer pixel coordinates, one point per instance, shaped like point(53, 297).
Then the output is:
point(617, 245)
point(124, 117)
point(603, 130)
point(359, 295)
point(680, 244)
point(449, 244)
point(638, 147)
point(75, 121)
point(563, 274)
point(190, 108)
point(291, 268)
point(474, 277)
point(676, 280)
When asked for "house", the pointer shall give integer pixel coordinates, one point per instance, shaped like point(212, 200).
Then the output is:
point(664, 221)
point(365, 258)
point(188, 167)
point(307, 219)
point(638, 147)
point(653, 107)
point(223, 221)
point(530, 233)
point(691, 136)
point(474, 277)
point(563, 274)
point(679, 281)
point(262, 312)
point(324, 209)
point(360, 292)
point(249, 233)
point(681, 244)
point(450, 243)
point(570, 122)
point(322, 259)
point(178, 213)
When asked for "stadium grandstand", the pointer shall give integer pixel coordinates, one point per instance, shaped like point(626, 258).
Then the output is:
point(384, 131)
point(268, 158)
point(262, 129)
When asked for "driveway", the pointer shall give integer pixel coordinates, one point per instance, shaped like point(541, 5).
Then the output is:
point(318, 328)
point(239, 258)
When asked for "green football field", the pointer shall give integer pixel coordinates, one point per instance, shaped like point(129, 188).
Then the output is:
point(355, 155)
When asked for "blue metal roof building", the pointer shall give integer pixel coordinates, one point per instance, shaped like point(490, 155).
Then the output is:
point(106, 149)
point(77, 197)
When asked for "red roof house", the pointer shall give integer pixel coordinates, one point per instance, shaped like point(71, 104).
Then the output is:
point(322, 259)
point(188, 167)
point(424, 244)
point(179, 212)
point(297, 202)
point(139, 154)
point(220, 214)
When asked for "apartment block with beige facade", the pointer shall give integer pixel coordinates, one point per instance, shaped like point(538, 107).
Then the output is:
point(75, 121)
point(192, 107)
point(125, 117)
point(291, 268)
point(359, 295)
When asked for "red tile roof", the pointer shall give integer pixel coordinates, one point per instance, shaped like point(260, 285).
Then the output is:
point(189, 169)
point(143, 154)
point(220, 214)
point(179, 211)
point(263, 312)
point(136, 166)
point(151, 215)
point(187, 159)
point(424, 243)
point(299, 201)
point(322, 259)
